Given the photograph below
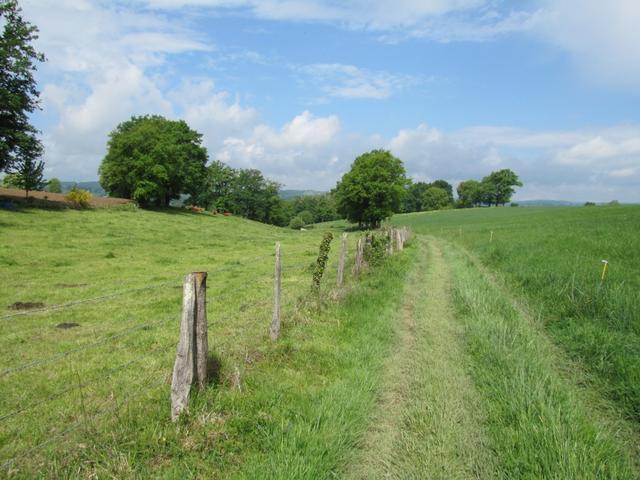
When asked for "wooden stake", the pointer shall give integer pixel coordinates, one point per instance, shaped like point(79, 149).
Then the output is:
point(274, 331)
point(202, 329)
point(183, 369)
point(343, 257)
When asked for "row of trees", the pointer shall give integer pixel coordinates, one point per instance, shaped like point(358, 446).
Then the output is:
point(494, 189)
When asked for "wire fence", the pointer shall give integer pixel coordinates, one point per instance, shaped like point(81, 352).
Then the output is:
point(256, 293)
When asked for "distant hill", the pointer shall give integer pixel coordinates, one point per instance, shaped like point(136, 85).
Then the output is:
point(547, 203)
point(94, 187)
point(287, 194)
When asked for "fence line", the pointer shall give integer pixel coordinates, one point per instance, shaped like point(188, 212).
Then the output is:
point(288, 301)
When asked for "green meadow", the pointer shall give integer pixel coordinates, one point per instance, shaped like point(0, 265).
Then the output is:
point(467, 355)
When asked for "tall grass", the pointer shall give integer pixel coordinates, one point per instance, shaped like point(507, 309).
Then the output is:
point(553, 256)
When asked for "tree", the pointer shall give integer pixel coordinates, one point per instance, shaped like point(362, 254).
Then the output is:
point(153, 160)
point(372, 190)
point(446, 186)
point(18, 93)
point(254, 197)
point(29, 174)
point(500, 185)
point(435, 198)
point(216, 189)
point(414, 197)
point(468, 193)
point(54, 185)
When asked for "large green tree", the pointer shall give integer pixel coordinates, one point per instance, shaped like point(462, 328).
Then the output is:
point(446, 186)
point(372, 190)
point(19, 145)
point(499, 185)
point(153, 160)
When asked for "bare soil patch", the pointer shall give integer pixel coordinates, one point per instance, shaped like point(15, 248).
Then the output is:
point(59, 198)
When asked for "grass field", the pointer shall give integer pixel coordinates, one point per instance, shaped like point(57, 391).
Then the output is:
point(459, 358)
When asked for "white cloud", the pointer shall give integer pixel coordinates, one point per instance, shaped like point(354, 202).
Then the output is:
point(602, 36)
point(349, 81)
point(574, 165)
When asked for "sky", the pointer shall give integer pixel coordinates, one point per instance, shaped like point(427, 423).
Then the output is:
point(298, 89)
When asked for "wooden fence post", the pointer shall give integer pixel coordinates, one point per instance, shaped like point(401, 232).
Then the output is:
point(343, 257)
point(201, 328)
point(191, 357)
point(274, 331)
point(390, 238)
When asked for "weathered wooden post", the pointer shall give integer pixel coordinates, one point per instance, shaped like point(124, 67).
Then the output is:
point(274, 330)
point(191, 357)
point(343, 257)
point(390, 238)
point(399, 243)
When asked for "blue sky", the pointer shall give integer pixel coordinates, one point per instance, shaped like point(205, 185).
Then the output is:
point(455, 88)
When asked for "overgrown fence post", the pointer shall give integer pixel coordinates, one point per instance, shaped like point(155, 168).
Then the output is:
point(343, 257)
point(274, 330)
point(191, 357)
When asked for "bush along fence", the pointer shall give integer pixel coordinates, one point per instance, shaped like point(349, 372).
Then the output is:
point(108, 371)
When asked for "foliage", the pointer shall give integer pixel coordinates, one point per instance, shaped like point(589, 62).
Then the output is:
point(253, 196)
point(54, 185)
point(153, 160)
point(18, 92)
point(499, 186)
point(28, 174)
point(375, 247)
point(494, 189)
point(372, 190)
point(321, 262)
point(589, 204)
point(414, 197)
point(10, 180)
point(446, 186)
point(296, 223)
point(78, 198)
point(316, 208)
point(435, 198)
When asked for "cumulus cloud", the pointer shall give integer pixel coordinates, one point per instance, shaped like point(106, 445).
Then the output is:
point(572, 165)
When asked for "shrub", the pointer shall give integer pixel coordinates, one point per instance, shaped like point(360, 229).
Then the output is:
point(375, 248)
point(589, 204)
point(321, 262)
point(78, 198)
point(514, 204)
point(296, 223)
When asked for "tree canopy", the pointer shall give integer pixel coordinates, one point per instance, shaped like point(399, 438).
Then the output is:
point(494, 189)
point(18, 93)
point(435, 198)
point(153, 160)
point(500, 184)
point(372, 190)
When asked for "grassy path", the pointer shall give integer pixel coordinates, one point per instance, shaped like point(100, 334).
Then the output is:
point(428, 420)
point(475, 389)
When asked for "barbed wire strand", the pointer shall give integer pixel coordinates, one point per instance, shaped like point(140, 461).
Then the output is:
point(103, 375)
point(83, 347)
point(120, 293)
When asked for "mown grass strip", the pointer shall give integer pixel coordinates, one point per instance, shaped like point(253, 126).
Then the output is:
point(428, 420)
